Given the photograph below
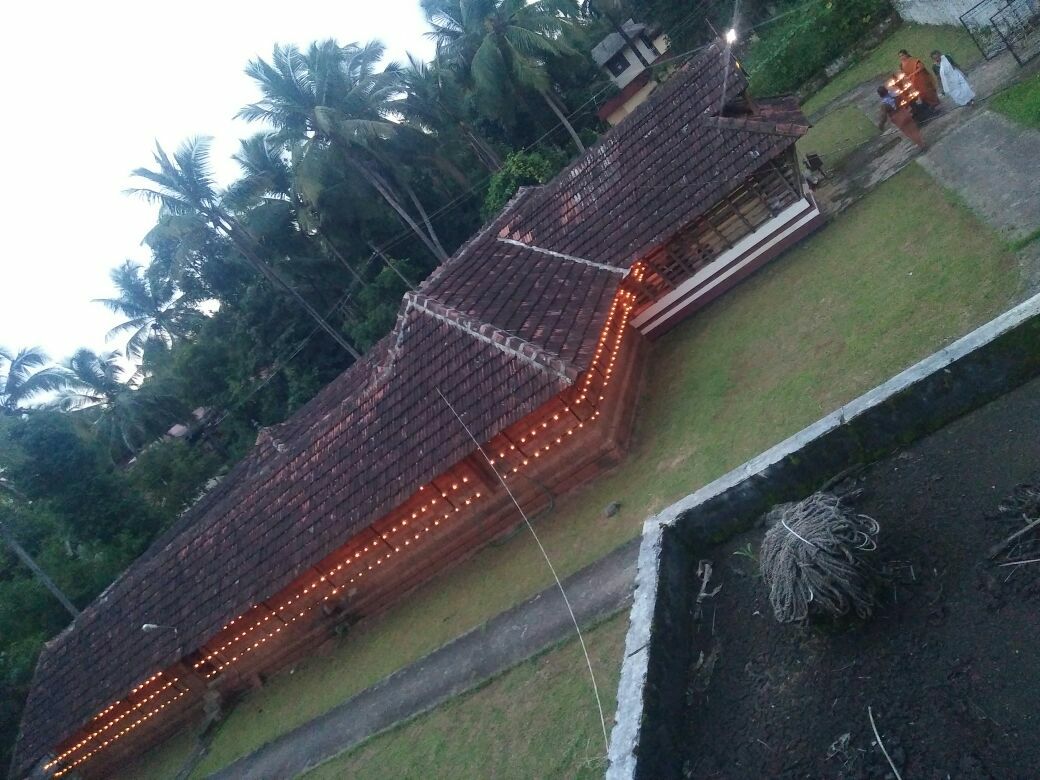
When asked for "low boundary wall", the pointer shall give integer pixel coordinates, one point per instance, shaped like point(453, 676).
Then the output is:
point(933, 11)
point(974, 370)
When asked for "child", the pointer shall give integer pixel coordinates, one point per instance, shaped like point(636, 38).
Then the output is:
point(900, 117)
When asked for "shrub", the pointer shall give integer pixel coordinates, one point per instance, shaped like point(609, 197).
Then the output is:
point(791, 51)
point(520, 169)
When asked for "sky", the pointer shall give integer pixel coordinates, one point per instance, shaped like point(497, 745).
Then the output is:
point(89, 88)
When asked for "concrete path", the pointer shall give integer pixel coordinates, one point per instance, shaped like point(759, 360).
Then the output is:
point(986, 77)
point(596, 591)
point(994, 165)
point(889, 153)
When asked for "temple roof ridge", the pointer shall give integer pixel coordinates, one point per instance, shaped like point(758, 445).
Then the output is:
point(494, 335)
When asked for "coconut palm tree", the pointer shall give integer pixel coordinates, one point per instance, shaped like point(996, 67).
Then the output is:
point(183, 185)
point(127, 416)
point(434, 101)
point(268, 178)
point(156, 310)
point(334, 95)
point(501, 46)
point(93, 379)
point(24, 375)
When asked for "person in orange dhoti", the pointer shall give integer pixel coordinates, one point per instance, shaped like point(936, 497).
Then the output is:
point(920, 77)
point(900, 117)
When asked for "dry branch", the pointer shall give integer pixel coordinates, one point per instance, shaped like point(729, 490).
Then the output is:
point(1000, 547)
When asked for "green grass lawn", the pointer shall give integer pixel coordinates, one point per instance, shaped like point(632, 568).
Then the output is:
point(508, 728)
point(874, 291)
point(1021, 102)
point(836, 135)
point(163, 761)
point(919, 40)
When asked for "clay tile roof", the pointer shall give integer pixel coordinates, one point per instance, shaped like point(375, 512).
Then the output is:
point(358, 460)
point(782, 109)
point(499, 329)
point(659, 169)
point(531, 295)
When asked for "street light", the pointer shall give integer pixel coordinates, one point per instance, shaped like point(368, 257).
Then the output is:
point(731, 36)
point(149, 627)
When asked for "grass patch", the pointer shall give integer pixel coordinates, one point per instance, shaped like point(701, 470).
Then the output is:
point(917, 39)
point(836, 135)
point(870, 294)
point(165, 760)
point(1022, 243)
point(507, 728)
point(1021, 102)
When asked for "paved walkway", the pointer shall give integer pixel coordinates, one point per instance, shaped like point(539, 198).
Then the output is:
point(595, 592)
point(994, 165)
point(986, 77)
point(889, 153)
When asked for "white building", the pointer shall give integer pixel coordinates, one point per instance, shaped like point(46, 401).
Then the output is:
point(627, 62)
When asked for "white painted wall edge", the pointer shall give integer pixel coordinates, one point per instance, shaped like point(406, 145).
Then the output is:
point(624, 740)
point(746, 251)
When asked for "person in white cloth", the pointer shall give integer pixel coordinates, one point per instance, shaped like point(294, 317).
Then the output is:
point(953, 81)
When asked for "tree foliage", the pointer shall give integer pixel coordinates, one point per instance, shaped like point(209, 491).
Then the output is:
point(25, 375)
point(801, 44)
point(521, 169)
point(155, 308)
point(82, 520)
point(363, 176)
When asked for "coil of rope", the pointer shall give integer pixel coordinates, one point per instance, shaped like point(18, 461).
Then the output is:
point(812, 559)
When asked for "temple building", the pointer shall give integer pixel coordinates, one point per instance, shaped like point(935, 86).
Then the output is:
point(516, 363)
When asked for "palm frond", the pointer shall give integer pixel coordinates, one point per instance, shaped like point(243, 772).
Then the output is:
point(529, 75)
point(350, 130)
point(530, 43)
point(46, 380)
point(488, 67)
point(27, 375)
point(137, 324)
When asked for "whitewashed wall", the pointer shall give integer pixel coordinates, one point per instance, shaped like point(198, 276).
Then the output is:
point(933, 11)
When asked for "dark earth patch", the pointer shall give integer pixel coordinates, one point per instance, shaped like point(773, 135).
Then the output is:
point(948, 664)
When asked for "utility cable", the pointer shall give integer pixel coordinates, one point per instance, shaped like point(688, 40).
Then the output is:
point(559, 584)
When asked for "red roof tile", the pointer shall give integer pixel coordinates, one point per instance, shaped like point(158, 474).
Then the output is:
point(653, 174)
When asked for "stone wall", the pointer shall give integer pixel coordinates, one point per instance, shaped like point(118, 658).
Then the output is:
point(933, 11)
point(651, 714)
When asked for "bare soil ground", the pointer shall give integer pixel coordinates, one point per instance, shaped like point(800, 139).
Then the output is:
point(948, 664)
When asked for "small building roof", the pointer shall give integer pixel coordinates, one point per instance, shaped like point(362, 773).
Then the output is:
point(614, 43)
point(500, 328)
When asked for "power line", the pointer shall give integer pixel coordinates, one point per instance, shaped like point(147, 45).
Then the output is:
point(549, 563)
point(455, 202)
point(797, 10)
point(283, 362)
point(279, 365)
